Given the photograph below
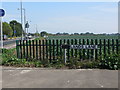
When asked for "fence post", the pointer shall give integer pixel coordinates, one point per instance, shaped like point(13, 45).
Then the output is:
point(57, 48)
point(21, 51)
point(100, 51)
point(117, 45)
point(68, 50)
point(17, 48)
point(27, 50)
point(24, 53)
point(83, 50)
point(61, 50)
point(30, 48)
point(80, 56)
point(40, 49)
point(72, 49)
point(33, 49)
point(65, 56)
point(96, 51)
point(53, 41)
point(46, 49)
point(92, 51)
point(37, 49)
point(88, 50)
point(75, 49)
point(104, 48)
point(43, 49)
point(108, 46)
point(65, 52)
point(50, 50)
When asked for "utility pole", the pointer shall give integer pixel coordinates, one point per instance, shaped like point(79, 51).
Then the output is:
point(36, 30)
point(21, 19)
point(24, 20)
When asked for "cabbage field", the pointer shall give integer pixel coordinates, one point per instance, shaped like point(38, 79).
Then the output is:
point(83, 37)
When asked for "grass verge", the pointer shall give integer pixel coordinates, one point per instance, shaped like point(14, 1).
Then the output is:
point(9, 58)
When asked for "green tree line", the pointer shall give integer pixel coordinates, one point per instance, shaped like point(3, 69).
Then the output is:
point(13, 28)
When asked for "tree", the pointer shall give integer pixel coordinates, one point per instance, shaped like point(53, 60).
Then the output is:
point(43, 33)
point(76, 33)
point(58, 33)
point(7, 30)
point(16, 26)
point(65, 33)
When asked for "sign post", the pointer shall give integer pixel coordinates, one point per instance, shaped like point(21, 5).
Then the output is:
point(65, 56)
point(2, 13)
point(80, 46)
point(65, 47)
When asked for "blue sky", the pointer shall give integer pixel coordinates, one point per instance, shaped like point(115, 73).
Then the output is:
point(79, 17)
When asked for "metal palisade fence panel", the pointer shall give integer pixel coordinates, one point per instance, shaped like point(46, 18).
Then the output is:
point(84, 49)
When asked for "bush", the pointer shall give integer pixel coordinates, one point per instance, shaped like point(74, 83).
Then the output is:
point(110, 62)
point(58, 64)
point(8, 55)
point(9, 59)
point(21, 63)
point(74, 63)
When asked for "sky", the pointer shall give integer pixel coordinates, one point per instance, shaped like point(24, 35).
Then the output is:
point(70, 17)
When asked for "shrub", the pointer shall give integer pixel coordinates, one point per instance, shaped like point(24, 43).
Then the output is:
point(45, 63)
point(110, 62)
point(8, 55)
point(58, 64)
point(74, 63)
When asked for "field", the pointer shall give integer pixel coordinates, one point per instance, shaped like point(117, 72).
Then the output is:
point(83, 37)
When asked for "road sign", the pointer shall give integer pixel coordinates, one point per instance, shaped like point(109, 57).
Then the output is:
point(2, 12)
point(27, 25)
point(83, 46)
point(79, 46)
point(14, 31)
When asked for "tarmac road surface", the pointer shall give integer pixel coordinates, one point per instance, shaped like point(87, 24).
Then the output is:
point(12, 41)
point(9, 42)
point(53, 78)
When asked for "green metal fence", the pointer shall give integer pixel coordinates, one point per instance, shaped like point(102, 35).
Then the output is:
point(52, 50)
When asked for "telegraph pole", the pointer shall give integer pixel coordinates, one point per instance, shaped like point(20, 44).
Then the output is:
point(24, 20)
point(21, 19)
